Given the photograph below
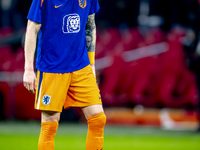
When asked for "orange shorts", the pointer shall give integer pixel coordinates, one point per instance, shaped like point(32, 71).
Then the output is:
point(58, 90)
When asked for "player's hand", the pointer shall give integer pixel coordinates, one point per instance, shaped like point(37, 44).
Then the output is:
point(30, 81)
point(93, 69)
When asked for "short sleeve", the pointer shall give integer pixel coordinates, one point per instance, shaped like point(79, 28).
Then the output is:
point(35, 12)
point(94, 7)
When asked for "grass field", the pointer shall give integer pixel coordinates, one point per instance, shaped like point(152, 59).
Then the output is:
point(24, 136)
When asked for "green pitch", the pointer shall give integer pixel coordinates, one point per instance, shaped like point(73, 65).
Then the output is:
point(24, 136)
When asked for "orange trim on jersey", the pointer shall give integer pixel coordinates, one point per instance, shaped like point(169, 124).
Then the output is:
point(42, 2)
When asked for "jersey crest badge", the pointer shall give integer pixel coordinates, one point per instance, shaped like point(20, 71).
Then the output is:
point(46, 99)
point(82, 3)
point(71, 23)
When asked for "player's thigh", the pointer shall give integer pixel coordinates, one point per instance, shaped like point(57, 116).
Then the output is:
point(92, 110)
point(50, 116)
point(51, 91)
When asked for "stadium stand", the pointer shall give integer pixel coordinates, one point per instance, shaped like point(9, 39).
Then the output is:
point(144, 76)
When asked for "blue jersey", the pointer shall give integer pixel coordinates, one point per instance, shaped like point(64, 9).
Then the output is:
point(62, 40)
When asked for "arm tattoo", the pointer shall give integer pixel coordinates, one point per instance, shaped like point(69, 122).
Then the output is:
point(91, 33)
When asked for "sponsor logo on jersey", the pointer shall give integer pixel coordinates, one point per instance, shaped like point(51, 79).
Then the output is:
point(71, 23)
point(82, 3)
point(46, 99)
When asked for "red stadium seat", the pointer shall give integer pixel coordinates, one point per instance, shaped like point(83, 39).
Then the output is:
point(132, 39)
point(24, 100)
point(19, 60)
point(6, 58)
point(4, 89)
point(110, 80)
point(138, 78)
point(154, 35)
point(185, 94)
point(4, 31)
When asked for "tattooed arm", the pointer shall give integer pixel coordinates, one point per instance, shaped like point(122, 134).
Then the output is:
point(91, 39)
point(91, 33)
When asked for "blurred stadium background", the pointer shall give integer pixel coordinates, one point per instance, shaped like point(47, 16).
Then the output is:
point(148, 70)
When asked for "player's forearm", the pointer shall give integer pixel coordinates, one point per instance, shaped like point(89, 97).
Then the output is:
point(30, 44)
point(91, 37)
